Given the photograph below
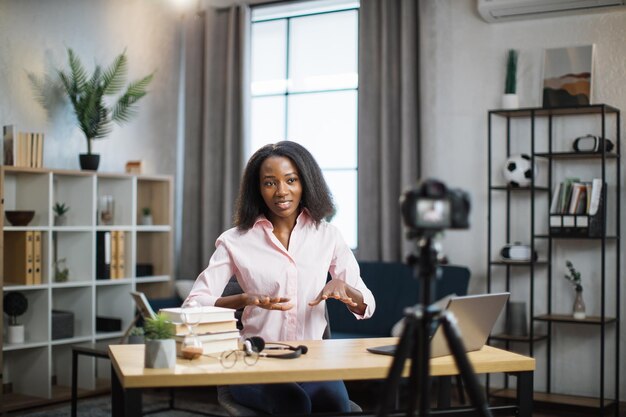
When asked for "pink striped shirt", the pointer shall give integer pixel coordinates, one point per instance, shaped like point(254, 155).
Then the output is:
point(262, 265)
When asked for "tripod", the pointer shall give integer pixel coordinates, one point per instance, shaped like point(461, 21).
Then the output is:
point(414, 343)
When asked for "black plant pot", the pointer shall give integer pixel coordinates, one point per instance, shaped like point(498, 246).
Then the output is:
point(89, 161)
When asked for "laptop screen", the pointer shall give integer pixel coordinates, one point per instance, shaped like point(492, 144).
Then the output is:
point(475, 317)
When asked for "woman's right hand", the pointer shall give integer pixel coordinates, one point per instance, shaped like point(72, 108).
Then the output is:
point(267, 302)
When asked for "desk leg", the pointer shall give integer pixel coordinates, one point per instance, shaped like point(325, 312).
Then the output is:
point(74, 382)
point(525, 393)
point(124, 402)
point(443, 394)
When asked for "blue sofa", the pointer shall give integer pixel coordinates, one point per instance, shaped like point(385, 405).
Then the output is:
point(394, 288)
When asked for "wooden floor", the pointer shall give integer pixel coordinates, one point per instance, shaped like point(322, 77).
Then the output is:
point(366, 395)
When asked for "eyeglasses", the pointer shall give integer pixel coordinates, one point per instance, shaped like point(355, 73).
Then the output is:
point(228, 358)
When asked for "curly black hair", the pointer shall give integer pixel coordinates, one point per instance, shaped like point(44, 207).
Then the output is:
point(316, 196)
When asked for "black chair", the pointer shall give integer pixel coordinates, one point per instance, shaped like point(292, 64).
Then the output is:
point(224, 397)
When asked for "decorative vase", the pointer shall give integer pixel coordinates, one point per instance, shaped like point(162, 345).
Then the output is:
point(15, 334)
point(89, 161)
point(160, 354)
point(579, 312)
point(516, 324)
point(510, 101)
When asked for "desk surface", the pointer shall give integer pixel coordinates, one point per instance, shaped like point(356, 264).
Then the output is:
point(345, 359)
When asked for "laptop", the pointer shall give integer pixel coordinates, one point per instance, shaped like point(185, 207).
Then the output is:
point(475, 316)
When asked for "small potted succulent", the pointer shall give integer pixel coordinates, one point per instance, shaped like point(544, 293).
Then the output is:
point(60, 219)
point(146, 216)
point(15, 304)
point(136, 336)
point(160, 345)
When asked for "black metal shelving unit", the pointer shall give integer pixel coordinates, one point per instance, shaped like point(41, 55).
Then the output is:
point(608, 240)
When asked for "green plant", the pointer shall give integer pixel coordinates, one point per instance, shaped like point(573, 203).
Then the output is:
point(61, 272)
point(136, 331)
point(60, 209)
point(146, 211)
point(87, 95)
point(574, 276)
point(158, 328)
point(510, 84)
point(15, 304)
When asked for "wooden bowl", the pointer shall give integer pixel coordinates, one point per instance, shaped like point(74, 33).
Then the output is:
point(19, 217)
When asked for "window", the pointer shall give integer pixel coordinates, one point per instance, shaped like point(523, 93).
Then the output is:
point(304, 87)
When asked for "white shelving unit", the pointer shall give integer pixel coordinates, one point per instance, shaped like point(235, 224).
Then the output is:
point(39, 370)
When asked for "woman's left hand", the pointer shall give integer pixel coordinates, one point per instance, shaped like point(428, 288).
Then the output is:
point(338, 290)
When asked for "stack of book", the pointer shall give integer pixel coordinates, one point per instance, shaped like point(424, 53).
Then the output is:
point(22, 254)
point(22, 149)
point(110, 255)
point(216, 328)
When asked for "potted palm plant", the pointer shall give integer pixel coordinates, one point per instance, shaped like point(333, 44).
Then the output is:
point(87, 94)
point(160, 346)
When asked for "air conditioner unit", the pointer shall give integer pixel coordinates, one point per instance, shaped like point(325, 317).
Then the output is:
point(504, 10)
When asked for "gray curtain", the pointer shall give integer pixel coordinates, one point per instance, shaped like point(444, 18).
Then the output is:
point(388, 123)
point(214, 133)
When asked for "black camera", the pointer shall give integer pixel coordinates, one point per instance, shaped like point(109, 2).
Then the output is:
point(431, 206)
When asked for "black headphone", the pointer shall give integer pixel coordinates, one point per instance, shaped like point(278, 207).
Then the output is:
point(256, 345)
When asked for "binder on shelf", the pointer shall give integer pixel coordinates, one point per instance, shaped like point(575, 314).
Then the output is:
point(18, 258)
point(103, 255)
point(121, 267)
point(118, 269)
point(582, 225)
point(114, 256)
point(37, 253)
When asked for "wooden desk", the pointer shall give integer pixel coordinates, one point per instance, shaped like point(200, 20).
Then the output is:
point(333, 359)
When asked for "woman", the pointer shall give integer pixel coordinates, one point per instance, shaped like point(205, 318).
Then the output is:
point(281, 251)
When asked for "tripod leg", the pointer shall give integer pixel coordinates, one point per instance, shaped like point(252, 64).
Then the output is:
point(455, 343)
point(403, 350)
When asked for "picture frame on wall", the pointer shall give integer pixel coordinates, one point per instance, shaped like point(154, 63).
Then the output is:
point(567, 76)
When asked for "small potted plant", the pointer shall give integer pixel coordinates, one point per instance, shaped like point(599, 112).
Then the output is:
point(510, 99)
point(160, 346)
point(579, 312)
point(59, 210)
point(136, 336)
point(61, 272)
point(146, 216)
point(15, 304)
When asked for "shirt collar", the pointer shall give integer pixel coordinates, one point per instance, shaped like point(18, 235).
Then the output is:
point(303, 218)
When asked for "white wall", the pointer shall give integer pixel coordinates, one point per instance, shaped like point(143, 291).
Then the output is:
point(35, 34)
point(462, 70)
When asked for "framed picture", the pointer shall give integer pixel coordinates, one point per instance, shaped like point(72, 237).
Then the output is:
point(567, 76)
point(142, 304)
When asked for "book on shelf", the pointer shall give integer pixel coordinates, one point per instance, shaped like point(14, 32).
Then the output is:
point(22, 149)
point(205, 328)
point(214, 346)
point(581, 214)
point(207, 314)
point(103, 255)
point(18, 256)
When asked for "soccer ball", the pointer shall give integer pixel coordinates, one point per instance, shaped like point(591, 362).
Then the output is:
point(518, 171)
